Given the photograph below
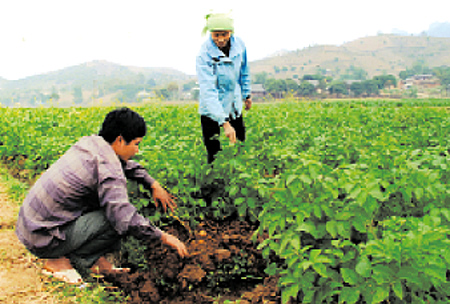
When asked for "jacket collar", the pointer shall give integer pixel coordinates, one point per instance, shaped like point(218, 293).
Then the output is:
point(214, 51)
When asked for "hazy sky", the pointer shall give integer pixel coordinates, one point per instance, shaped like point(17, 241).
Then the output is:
point(38, 36)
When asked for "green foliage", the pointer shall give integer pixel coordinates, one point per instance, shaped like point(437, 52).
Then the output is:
point(351, 196)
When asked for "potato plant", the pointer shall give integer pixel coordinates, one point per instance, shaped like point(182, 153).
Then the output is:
point(351, 196)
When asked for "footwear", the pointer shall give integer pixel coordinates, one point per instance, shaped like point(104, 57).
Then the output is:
point(70, 276)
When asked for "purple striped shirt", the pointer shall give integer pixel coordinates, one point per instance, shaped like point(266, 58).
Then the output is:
point(88, 177)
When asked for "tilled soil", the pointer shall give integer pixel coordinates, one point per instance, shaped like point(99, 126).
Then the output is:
point(224, 264)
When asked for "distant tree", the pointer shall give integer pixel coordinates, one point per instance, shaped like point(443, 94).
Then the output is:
point(260, 78)
point(418, 68)
point(406, 74)
point(384, 81)
point(357, 88)
point(195, 94)
point(354, 73)
point(443, 74)
point(54, 95)
point(140, 79)
point(306, 89)
point(276, 87)
point(189, 86)
point(291, 85)
point(312, 77)
point(77, 95)
point(338, 88)
point(151, 83)
point(162, 93)
point(370, 87)
point(173, 88)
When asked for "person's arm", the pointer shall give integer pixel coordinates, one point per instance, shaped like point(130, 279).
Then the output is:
point(209, 95)
point(135, 171)
point(175, 243)
point(123, 216)
point(245, 80)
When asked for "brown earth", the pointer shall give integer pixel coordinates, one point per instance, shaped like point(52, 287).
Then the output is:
point(20, 279)
point(224, 264)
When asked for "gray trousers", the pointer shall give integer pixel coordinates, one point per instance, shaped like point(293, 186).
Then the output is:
point(88, 238)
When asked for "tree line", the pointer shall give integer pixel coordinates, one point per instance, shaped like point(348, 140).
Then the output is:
point(312, 85)
point(353, 82)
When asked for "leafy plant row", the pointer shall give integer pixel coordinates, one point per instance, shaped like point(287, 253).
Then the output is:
point(353, 196)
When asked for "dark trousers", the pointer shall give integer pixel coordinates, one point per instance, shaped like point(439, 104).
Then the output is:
point(88, 238)
point(211, 132)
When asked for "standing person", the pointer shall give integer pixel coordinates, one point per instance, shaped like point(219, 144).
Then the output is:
point(224, 80)
point(78, 210)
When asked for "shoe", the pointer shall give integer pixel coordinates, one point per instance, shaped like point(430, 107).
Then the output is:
point(70, 276)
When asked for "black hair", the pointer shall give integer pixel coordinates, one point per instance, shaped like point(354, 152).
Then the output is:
point(125, 122)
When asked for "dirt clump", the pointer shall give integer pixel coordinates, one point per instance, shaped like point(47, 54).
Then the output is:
point(223, 264)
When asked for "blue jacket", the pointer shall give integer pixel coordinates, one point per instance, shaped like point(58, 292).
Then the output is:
point(224, 81)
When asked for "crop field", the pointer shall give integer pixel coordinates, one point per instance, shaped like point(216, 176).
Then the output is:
point(325, 202)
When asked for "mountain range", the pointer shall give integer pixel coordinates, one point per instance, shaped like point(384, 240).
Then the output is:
point(376, 55)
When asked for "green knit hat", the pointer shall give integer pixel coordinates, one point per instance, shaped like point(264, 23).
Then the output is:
point(218, 22)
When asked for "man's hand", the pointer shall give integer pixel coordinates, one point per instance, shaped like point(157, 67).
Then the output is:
point(229, 132)
point(248, 103)
point(161, 195)
point(175, 243)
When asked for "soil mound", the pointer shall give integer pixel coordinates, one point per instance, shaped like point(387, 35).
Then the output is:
point(223, 264)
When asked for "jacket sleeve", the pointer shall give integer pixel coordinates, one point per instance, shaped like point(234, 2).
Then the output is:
point(209, 94)
point(135, 171)
point(244, 77)
point(123, 216)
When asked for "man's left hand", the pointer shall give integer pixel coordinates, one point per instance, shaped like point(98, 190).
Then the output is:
point(160, 195)
point(248, 103)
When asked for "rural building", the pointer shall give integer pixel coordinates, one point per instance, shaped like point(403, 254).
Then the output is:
point(426, 81)
point(258, 91)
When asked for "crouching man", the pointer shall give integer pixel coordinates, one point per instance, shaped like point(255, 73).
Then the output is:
point(78, 210)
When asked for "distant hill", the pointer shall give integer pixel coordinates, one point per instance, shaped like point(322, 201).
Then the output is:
point(85, 74)
point(97, 78)
point(377, 55)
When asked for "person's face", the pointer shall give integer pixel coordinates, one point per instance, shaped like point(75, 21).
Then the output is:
point(221, 38)
point(127, 151)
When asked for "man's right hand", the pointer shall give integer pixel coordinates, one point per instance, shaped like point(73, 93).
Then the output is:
point(229, 132)
point(175, 243)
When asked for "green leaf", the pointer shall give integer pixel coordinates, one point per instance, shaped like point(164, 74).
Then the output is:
point(349, 295)
point(359, 223)
point(295, 242)
point(349, 276)
point(397, 287)
point(436, 272)
point(418, 192)
point(363, 267)
point(376, 193)
point(290, 178)
point(332, 228)
point(317, 211)
point(355, 192)
point(290, 292)
point(381, 294)
point(321, 269)
point(306, 179)
point(313, 254)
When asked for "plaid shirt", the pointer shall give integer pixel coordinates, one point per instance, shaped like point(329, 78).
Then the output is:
point(89, 176)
